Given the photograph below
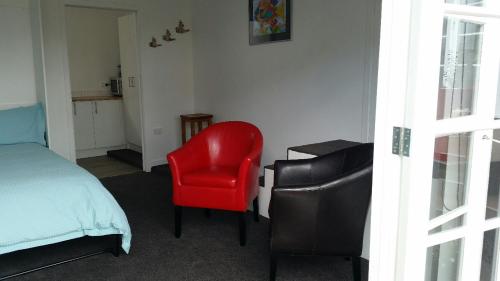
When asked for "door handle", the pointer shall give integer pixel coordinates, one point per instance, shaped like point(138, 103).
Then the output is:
point(74, 108)
point(486, 137)
point(95, 106)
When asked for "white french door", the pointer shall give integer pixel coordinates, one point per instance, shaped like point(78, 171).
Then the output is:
point(436, 212)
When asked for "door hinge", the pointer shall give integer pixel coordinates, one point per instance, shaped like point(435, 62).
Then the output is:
point(401, 139)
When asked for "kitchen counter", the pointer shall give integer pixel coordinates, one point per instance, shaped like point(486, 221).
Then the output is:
point(96, 98)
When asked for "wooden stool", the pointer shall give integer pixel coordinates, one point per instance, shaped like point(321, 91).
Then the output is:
point(194, 119)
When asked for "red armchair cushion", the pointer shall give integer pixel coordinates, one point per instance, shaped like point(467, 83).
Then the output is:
point(223, 177)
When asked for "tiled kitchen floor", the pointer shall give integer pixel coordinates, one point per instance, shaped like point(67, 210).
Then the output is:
point(104, 166)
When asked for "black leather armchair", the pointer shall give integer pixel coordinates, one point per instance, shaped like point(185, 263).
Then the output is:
point(319, 206)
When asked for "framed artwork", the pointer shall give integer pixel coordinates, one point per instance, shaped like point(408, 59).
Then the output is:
point(270, 21)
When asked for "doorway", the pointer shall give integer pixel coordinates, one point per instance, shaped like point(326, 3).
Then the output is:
point(105, 89)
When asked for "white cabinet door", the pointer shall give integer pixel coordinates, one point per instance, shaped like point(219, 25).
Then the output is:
point(128, 59)
point(84, 125)
point(108, 123)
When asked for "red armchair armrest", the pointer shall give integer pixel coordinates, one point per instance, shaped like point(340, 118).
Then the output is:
point(248, 174)
point(185, 159)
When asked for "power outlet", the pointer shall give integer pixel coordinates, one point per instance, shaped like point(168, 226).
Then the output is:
point(157, 131)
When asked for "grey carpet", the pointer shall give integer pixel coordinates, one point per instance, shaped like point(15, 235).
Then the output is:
point(208, 249)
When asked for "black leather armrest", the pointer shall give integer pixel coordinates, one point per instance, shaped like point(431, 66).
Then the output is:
point(306, 218)
point(292, 172)
point(343, 180)
point(293, 219)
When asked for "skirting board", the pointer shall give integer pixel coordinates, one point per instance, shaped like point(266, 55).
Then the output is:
point(86, 153)
point(134, 147)
point(156, 162)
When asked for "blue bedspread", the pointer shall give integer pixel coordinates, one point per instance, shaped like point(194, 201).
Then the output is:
point(46, 199)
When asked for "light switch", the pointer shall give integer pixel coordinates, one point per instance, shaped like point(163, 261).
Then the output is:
point(131, 82)
point(157, 131)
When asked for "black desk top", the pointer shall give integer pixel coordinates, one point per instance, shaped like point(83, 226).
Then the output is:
point(323, 148)
point(320, 148)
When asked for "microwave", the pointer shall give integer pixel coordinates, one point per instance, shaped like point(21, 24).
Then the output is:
point(116, 86)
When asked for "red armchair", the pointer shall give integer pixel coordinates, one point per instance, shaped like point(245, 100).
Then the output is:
point(218, 169)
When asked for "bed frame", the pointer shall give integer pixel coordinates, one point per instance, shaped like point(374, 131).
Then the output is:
point(115, 249)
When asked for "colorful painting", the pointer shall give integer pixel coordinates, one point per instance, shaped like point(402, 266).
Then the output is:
point(269, 20)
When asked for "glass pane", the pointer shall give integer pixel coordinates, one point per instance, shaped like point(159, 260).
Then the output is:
point(488, 260)
point(454, 223)
point(443, 261)
point(451, 171)
point(494, 182)
point(477, 3)
point(497, 109)
point(460, 65)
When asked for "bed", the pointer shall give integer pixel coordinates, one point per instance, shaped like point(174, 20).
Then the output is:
point(46, 199)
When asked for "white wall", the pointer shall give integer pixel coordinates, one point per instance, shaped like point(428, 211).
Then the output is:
point(38, 60)
point(167, 75)
point(314, 88)
point(56, 76)
point(93, 49)
point(22, 69)
point(17, 74)
point(167, 72)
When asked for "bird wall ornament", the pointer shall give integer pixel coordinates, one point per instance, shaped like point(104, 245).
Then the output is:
point(168, 36)
point(181, 28)
point(154, 43)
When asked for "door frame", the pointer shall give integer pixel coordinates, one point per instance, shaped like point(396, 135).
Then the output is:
point(111, 5)
point(400, 47)
point(391, 96)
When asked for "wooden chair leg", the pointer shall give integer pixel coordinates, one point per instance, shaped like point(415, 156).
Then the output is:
point(272, 268)
point(193, 129)
point(243, 228)
point(183, 129)
point(256, 209)
point(208, 214)
point(356, 268)
point(178, 221)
